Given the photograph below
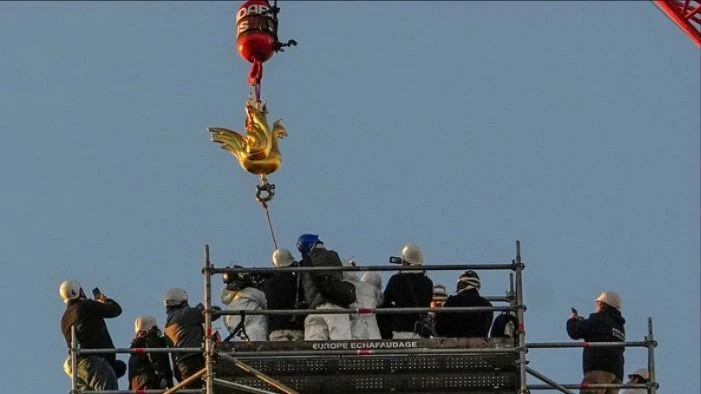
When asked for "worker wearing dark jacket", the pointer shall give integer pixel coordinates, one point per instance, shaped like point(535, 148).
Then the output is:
point(283, 290)
point(184, 330)
point(99, 371)
point(601, 365)
point(149, 370)
point(468, 324)
point(408, 289)
point(324, 290)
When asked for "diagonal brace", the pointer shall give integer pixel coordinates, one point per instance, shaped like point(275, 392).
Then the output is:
point(548, 380)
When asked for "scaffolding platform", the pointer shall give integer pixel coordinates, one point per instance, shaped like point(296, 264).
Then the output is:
point(449, 365)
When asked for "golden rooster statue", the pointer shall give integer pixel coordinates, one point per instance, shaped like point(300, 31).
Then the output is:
point(257, 152)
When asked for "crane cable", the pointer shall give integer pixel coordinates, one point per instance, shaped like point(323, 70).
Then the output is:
point(270, 223)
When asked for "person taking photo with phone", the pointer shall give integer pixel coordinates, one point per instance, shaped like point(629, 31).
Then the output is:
point(99, 371)
point(601, 365)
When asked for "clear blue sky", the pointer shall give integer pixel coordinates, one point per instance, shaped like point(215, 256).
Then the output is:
point(458, 126)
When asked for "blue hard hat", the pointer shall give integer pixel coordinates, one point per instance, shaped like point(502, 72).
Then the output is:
point(306, 242)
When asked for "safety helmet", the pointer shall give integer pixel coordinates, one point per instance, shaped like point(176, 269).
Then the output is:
point(439, 292)
point(282, 258)
point(307, 242)
point(67, 367)
point(70, 290)
point(469, 280)
point(372, 278)
point(412, 254)
point(144, 323)
point(610, 298)
point(174, 297)
point(642, 372)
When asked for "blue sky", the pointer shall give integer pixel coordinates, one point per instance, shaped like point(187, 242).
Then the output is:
point(458, 126)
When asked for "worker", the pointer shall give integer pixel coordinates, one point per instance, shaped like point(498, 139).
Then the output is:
point(505, 325)
point(408, 289)
point(639, 376)
point(149, 371)
point(241, 293)
point(283, 290)
point(439, 296)
point(606, 324)
point(369, 294)
point(324, 290)
point(466, 324)
point(184, 329)
point(98, 371)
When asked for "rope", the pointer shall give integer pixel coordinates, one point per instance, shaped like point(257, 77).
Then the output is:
point(270, 223)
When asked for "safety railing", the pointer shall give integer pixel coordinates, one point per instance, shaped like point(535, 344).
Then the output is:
point(514, 298)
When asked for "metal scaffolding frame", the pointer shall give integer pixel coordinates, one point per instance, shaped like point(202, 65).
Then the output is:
point(514, 298)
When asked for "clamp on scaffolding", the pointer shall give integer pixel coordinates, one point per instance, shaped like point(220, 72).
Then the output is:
point(519, 347)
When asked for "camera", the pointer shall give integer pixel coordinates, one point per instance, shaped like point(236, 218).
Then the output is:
point(95, 292)
point(395, 260)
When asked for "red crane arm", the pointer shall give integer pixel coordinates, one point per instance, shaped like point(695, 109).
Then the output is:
point(684, 13)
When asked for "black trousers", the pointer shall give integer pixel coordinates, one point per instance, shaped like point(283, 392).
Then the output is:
point(189, 366)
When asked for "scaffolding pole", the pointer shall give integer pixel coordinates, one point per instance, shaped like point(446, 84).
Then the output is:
point(137, 350)
point(652, 383)
point(208, 343)
point(361, 311)
point(74, 360)
point(442, 267)
point(522, 362)
point(579, 386)
point(561, 345)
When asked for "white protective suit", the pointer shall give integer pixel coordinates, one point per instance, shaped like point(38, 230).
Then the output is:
point(322, 327)
point(368, 291)
point(250, 299)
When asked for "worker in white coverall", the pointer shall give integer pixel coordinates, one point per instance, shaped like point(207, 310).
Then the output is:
point(319, 289)
point(240, 293)
point(368, 291)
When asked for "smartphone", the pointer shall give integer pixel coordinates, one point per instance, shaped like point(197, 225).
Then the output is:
point(574, 311)
point(95, 292)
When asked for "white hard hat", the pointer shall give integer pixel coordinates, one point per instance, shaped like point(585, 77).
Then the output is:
point(282, 258)
point(610, 298)
point(412, 254)
point(67, 367)
point(642, 372)
point(373, 278)
point(174, 297)
point(145, 322)
point(69, 290)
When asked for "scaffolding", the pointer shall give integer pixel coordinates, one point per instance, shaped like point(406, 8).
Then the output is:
point(480, 350)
